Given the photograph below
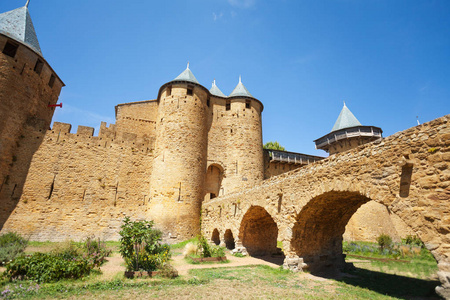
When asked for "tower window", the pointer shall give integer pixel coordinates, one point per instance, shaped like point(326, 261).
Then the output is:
point(208, 102)
point(169, 91)
point(10, 49)
point(51, 82)
point(38, 66)
point(247, 103)
point(228, 105)
point(190, 90)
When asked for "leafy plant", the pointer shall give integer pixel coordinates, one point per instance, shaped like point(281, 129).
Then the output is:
point(385, 242)
point(11, 245)
point(413, 240)
point(207, 250)
point(140, 245)
point(47, 267)
point(96, 250)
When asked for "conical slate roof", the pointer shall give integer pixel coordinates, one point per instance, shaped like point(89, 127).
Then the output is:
point(216, 91)
point(17, 24)
point(187, 75)
point(240, 90)
point(345, 120)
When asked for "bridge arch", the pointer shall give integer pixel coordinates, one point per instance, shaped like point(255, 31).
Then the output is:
point(215, 237)
point(258, 232)
point(319, 226)
point(229, 239)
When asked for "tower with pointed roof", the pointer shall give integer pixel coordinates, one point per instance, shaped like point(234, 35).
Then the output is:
point(347, 133)
point(28, 86)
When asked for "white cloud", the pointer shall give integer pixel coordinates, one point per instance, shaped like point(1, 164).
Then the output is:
point(242, 3)
point(217, 16)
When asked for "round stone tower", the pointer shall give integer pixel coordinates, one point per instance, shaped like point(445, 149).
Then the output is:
point(347, 133)
point(28, 89)
point(178, 176)
point(244, 141)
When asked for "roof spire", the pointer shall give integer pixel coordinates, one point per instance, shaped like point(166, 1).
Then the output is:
point(344, 103)
point(214, 82)
point(187, 64)
point(28, 2)
point(240, 81)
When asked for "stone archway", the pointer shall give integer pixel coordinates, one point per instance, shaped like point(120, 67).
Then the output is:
point(215, 238)
point(258, 232)
point(213, 181)
point(229, 240)
point(317, 232)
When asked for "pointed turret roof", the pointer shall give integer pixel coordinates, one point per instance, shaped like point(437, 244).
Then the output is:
point(216, 91)
point(345, 120)
point(240, 90)
point(187, 75)
point(17, 24)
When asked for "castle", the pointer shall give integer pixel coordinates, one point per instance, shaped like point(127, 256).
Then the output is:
point(160, 160)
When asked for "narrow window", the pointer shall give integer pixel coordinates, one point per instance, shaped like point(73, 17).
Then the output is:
point(228, 105)
point(38, 66)
point(51, 82)
point(208, 102)
point(10, 49)
point(169, 91)
point(247, 103)
point(190, 90)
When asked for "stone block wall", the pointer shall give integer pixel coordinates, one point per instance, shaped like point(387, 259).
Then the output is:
point(80, 185)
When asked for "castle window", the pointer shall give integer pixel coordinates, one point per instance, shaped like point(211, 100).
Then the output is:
point(228, 105)
point(10, 49)
point(169, 91)
point(190, 90)
point(247, 103)
point(51, 82)
point(208, 102)
point(38, 66)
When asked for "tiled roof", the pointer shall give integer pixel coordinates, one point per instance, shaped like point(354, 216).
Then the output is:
point(17, 24)
point(240, 90)
point(345, 120)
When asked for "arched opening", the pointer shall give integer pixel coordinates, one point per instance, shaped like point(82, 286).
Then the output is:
point(317, 233)
point(213, 181)
point(215, 238)
point(258, 232)
point(229, 239)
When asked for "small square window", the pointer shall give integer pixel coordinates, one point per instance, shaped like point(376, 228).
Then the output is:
point(190, 91)
point(38, 66)
point(10, 49)
point(247, 103)
point(51, 82)
point(228, 105)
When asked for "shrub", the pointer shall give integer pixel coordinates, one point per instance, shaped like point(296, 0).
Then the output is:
point(206, 250)
point(47, 267)
point(140, 246)
point(413, 240)
point(385, 242)
point(11, 245)
point(190, 249)
point(96, 250)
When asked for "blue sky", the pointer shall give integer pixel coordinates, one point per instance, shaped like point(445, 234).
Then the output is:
point(388, 59)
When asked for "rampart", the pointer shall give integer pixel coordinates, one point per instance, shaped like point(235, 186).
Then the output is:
point(80, 185)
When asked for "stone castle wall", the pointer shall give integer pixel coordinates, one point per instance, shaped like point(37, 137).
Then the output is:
point(27, 86)
point(80, 185)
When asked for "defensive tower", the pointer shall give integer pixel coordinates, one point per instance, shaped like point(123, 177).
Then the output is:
point(28, 88)
point(347, 133)
point(179, 166)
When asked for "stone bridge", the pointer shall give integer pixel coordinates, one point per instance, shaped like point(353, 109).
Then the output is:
point(307, 209)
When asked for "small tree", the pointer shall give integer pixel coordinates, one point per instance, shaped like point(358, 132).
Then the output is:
point(140, 245)
point(273, 146)
point(384, 241)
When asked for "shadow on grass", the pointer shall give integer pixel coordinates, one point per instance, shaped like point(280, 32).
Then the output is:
point(392, 285)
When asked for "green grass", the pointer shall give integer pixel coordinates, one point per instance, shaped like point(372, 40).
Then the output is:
point(181, 245)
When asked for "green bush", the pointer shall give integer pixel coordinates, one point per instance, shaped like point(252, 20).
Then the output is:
point(208, 250)
point(96, 250)
point(11, 245)
point(140, 246)
point(385, 242)
point(47, 267)
point(413, 240)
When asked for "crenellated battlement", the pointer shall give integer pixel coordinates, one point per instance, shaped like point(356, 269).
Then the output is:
point(108, 137)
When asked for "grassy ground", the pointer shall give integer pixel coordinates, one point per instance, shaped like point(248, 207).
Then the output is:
point(370, 280)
